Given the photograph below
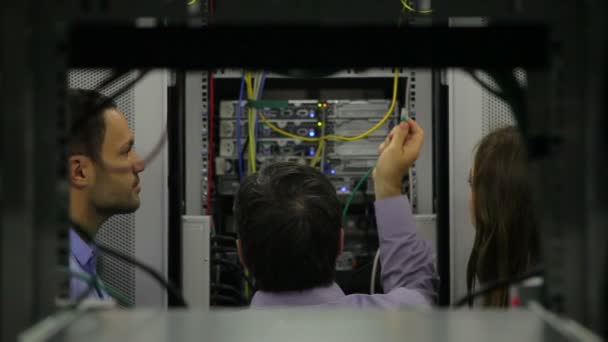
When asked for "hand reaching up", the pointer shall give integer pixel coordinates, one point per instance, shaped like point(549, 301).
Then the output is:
point(396, 155)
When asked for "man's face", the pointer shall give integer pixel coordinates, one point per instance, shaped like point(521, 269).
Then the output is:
point(116, 188)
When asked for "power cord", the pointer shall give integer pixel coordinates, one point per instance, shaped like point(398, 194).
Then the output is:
point(93, 282)
point(372, 281)
point(468, 299)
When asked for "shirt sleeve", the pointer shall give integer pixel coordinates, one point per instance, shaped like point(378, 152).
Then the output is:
point(407, 261)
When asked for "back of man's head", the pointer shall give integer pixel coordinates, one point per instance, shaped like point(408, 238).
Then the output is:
point(289, 224)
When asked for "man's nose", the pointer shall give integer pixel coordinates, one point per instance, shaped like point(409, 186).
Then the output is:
point(138, 165)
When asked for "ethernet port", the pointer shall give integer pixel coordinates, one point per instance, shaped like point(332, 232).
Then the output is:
point(302, 112)
point(272, 113)
point(266, 131)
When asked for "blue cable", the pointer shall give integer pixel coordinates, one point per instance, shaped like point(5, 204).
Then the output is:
point(238, 128)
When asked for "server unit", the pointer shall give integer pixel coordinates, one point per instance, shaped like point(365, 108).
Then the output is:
point(342, 161)
point(345, 104)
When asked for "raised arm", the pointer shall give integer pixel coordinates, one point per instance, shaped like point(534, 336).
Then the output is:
point(407, 260)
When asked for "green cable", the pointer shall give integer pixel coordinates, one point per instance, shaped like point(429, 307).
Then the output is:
point(363, 179)
point(354, 191)
point(122, 299)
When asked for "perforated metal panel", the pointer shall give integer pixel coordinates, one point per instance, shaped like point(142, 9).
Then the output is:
point(119, 231)
point(496, 113)
point(410, 105)
point(205, 142)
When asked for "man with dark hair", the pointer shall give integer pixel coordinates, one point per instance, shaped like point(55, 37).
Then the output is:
point(290, 233)
point(103, 173)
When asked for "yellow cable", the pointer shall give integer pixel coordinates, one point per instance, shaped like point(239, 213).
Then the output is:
point(341, 137)
point(249, 85)
point(247, 291)
point(411, 9)
point(252, 142)
point(250, 124)
point(317, 156)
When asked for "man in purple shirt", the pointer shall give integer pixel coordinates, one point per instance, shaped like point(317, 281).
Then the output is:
point(290, 230)
point(103, 173)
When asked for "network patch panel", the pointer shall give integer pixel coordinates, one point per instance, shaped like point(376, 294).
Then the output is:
point(307, 128)
point(349, 166)
point(276, 147)
point(363, 147)
point(294, 147)
point(312, 109)
point(293, 109)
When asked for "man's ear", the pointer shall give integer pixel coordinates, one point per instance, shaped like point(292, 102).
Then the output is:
point(80, 171)
point(239, 250)
point(341, 242)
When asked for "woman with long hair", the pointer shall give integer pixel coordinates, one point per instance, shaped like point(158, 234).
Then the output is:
point(506, 238)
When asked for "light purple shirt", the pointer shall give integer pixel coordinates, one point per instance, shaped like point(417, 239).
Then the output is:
point(407, 268)
point(83, 259)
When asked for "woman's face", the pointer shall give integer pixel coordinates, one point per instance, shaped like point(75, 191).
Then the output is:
point(471, 198)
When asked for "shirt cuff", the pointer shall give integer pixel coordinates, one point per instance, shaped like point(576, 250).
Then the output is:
point(394, 215)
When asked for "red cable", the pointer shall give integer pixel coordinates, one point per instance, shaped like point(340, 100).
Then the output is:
point(211, 137)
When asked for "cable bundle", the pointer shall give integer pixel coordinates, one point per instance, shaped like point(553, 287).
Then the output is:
point(230, 283)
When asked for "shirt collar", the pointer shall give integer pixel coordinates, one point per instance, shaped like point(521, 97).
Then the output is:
point(316, 296)
point(81, 250)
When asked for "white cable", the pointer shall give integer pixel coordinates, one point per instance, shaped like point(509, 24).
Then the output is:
point(372, 282)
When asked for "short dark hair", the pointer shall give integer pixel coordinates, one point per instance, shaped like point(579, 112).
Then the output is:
point(87, 129)
point(289, 221)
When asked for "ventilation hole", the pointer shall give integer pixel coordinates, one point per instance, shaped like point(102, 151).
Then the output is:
point(496, 113)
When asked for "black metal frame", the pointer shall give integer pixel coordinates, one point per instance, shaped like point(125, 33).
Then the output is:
point(441, 180)
point(330, 47)
point(176, 181)
point(579, 28)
